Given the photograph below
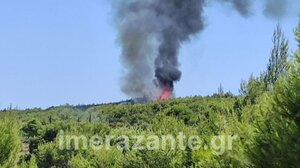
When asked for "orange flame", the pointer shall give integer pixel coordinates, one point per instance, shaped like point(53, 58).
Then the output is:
point(165, 94)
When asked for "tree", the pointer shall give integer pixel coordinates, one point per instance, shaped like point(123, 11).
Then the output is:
point(252, 89)
point(277, 66)
point(277, 143)
point(79, 162)
point(34, 132)
point(287, 93)
point(279, 58)
point(221, 90)
point(10, 141)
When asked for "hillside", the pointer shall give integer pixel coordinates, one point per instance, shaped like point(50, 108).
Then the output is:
point(206, 117)
point(203, 116)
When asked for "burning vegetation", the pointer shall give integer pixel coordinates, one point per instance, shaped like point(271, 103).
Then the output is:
point(165, 94)
point(151, 32)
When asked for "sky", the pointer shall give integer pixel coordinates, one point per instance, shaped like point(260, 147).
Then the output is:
point(54, 52)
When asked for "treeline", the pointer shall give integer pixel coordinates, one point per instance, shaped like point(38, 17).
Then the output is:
point(265, 118)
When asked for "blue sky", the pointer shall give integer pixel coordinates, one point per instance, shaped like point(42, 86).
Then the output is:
point(54, 52)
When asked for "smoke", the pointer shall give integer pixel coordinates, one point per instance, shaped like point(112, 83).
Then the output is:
point(138, 41)
point(275, 8)
point(151, 32)
point(242, 6)
point(182, 20)
point(272, 8)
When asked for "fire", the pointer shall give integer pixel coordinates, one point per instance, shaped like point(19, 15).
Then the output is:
point(165, 94)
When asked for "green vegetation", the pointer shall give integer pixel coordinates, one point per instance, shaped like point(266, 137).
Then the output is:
point(9, 141)
point(265, 119)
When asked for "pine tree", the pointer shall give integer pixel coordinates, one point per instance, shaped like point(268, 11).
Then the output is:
point(287, 97)
point(278, 144)
point(279, 58)
point(10, 141)
point(220, 90)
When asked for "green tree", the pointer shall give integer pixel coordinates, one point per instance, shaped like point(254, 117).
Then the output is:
point(279, 58)
point(79, 162)
point(252, 89)
point(34, 132)
point(287, 92)
point(278, 144)
point(32, 162)
point(10, 141)
point(277, 66)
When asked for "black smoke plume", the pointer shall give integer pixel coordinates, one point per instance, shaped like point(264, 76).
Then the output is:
point(151, 32)
point(183, 19)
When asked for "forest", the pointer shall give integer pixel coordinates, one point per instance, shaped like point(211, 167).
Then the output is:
point(265, 118)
